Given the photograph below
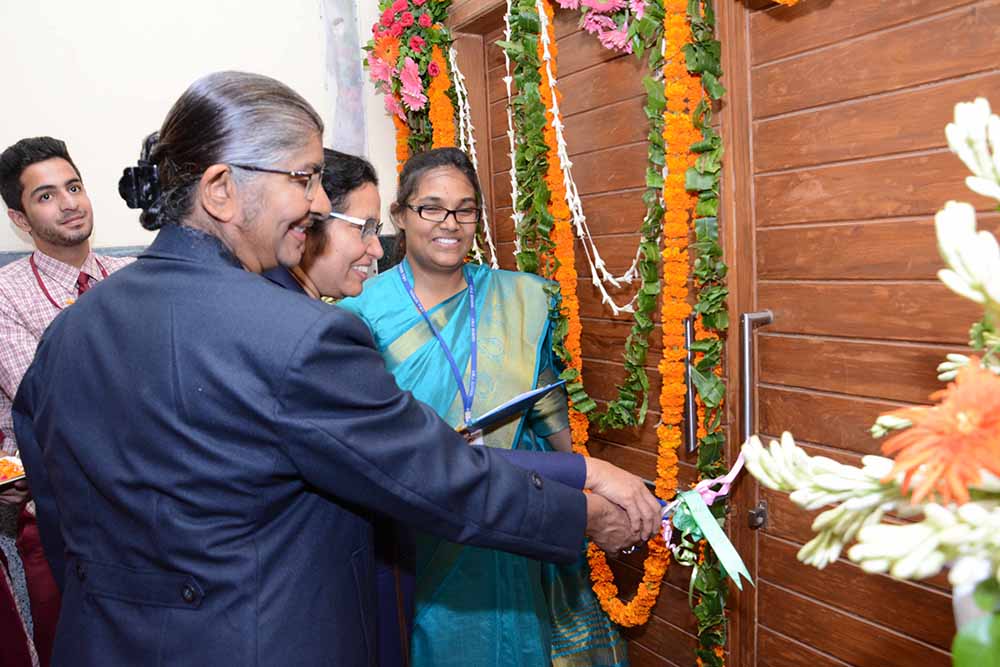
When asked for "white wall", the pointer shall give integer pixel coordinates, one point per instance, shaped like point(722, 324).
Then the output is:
point(102, 75)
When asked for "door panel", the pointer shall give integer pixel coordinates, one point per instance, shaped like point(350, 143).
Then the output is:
point(872, 61)
point(841, 635)
point(804, 28)
point(877, 188)
point(898, 122)
point(838, 125)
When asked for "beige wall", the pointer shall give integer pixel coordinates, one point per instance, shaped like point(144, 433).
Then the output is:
point(102, 76)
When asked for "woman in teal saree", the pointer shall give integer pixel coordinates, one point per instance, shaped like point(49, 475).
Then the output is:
point(465, 338)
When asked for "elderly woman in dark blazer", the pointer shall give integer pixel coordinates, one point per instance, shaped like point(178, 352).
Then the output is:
point(203, 446)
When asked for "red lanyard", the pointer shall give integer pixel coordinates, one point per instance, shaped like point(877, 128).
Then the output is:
point(41, 284)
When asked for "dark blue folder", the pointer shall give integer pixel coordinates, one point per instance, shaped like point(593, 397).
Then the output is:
point(502, 412)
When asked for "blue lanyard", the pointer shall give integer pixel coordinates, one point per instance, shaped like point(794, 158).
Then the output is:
point(467, 396)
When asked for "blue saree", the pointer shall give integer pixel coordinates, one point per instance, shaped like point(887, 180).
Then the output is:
point(478, 606)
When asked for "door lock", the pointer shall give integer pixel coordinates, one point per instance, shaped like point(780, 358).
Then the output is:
point(757, 517)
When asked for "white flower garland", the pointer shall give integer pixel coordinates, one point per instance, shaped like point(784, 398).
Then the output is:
point(598, 271)
point(966, 536)
point(518, 216)
point(467, 139)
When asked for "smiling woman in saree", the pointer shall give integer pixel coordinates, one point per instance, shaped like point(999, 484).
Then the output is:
point(465, 338)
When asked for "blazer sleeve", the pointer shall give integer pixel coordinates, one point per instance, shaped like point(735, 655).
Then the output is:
point(353, 433)
point(46, 509)
point(563, 467)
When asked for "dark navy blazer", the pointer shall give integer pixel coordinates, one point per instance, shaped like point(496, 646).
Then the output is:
point(199, 443)
point(395, 551)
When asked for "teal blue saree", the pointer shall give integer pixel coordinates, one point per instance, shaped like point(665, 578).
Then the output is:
point(478, 606)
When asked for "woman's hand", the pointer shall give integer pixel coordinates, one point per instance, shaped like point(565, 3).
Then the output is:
point(628, 492)
point(608, 525)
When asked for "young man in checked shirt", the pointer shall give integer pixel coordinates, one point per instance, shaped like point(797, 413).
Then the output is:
point(46, 199)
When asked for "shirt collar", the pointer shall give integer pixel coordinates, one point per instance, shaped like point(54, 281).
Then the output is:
point(65, 274)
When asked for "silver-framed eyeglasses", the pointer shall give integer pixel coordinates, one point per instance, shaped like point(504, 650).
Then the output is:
point(433, 213)
point(311, 177)
point(369, 227)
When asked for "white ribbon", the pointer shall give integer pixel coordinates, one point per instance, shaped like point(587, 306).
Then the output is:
point(467, 142)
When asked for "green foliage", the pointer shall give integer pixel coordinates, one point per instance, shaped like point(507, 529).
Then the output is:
point(530, 150)
point(684, 521)
point(698, 180)
point(987, 596)
point(977, 643)
point(982, 334)
point(711, 449)
point(709, 386)
point(704, 58)
point(710, 611)
point(632, 402)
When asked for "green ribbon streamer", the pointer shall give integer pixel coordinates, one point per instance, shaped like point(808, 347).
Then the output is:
point(723, 548)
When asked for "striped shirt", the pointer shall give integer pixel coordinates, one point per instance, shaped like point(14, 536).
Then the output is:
point(28, 304)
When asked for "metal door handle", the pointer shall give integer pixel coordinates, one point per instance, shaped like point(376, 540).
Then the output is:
point(749, 322)
point(690, 406)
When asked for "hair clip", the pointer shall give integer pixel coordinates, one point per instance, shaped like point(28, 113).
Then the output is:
point(140, 186)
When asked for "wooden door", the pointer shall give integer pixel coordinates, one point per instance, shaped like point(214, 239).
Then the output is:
point(836, 162)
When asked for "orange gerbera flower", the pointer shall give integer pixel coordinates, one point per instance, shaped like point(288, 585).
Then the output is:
point(387, 49)
point(950, 443)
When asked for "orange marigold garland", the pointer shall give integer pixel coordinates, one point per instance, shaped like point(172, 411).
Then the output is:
point(402, 142)
point(442, 111)
point(712, 640)
point(562, 238)
point(683, 91)
point(636, 611)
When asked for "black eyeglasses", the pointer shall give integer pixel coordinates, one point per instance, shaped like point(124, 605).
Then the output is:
point(311, 177)
point(369, 228)
point(463, 216)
